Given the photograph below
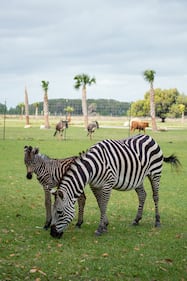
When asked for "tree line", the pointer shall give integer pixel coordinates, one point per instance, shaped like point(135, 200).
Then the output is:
point(161, 103)
point(168, 103)
point(104, 107)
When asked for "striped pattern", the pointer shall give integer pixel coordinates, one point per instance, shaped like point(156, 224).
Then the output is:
point(110, 164)
point(49, 171)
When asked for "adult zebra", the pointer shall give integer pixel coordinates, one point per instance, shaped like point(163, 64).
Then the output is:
point(49, 171)
point(110, 164)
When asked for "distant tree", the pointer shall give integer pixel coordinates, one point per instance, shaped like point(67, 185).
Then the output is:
point(69, 110)
point(45, 86)
point(36, 106)
point(176, 111)
point(92, 108)
point(182, 109)
point(164, 99)
point(3, 108)
point(21, 107)
point(182, 99)
point(149, 76)
point(140, 108)
point(26, 108)
point(82, 80)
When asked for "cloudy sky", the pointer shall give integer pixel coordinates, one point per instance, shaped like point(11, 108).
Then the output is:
point(114, 41)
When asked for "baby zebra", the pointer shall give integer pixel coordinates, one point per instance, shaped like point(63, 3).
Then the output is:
point(49, 171)
point(91, 128)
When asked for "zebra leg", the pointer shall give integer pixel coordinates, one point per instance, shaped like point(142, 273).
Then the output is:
point(155, 181)
point(102, 198)
point(81, 203)
point(141, 197)
point(47, 208)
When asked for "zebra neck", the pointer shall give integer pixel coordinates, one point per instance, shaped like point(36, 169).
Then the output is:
point(74, 182)
point(42, 164)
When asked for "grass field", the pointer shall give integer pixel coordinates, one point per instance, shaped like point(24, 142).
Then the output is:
point(143, 253)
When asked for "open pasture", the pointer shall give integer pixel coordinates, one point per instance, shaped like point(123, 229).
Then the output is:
point(143, 253)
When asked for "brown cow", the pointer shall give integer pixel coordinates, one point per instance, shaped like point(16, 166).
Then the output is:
point(139, 125)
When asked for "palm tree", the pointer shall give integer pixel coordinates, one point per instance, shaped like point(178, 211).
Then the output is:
point(45, 85)
point(68, 111)
point(26, 108)
point(82, 80)
point(36, 105)
point(182, 109)
point(149, 76)
point(21, 106)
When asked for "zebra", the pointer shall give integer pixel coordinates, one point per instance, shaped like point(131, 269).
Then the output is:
point(61, 126)
point(110, 164)
point(48, 172)
point(91, 128)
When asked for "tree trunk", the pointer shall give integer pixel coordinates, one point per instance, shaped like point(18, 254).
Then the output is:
point(182, 117)
point(152, 108)
point(46, 111)
point(69, 117)
point(22, 111)
point(36, 111)
point(26, 108)
point(84, 107)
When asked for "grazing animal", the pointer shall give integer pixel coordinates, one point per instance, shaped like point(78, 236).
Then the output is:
point(139, 125)
point(91, 128)
point(49, 171)
point(60, 127)
point(110, 164)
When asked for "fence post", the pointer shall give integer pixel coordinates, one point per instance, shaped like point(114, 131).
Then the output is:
point(4, 121)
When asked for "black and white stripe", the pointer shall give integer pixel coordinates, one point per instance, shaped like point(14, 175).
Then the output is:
point(49, 171)
point(110, 164)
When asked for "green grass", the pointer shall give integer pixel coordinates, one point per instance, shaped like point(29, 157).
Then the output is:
point(142, 253)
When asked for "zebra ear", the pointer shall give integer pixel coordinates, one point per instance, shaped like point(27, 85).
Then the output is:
point(25, 148)
point(28, 148)
point(36, 150)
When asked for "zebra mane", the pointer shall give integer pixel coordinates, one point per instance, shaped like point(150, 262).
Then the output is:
point(44, 157)
point(82, 153)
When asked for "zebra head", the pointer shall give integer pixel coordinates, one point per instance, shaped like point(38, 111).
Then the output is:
point(62, 214)
point(30, 159)
point(97, 124)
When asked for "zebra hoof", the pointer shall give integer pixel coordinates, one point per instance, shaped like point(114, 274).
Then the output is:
point(135, 223)
point(46, 227)
point(157, 224)
point(98, 233)
point(78, 224)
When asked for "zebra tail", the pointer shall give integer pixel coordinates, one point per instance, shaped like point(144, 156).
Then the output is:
point(173, 160)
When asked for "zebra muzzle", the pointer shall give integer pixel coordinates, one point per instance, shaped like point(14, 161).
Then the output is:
point(54, 233)
point(29, 176)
